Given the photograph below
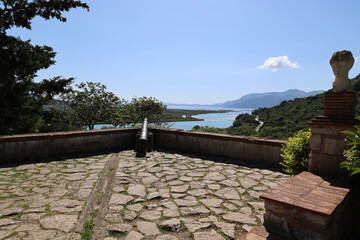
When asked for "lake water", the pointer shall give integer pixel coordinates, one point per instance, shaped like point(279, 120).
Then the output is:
point(219, 120)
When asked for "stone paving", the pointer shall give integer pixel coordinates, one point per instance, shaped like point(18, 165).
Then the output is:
point(165, 196)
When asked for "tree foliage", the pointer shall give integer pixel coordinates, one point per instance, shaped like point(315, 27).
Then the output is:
point(145, 107)
point(283, 120)
point(198, 128)
point(245, 118)
point(20, 13)
point(20, 96)
point(352, 155)
point(296, 152)
point(92, 104)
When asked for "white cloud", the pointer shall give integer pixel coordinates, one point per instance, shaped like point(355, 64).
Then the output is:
point(356, 59)
point(276, 63)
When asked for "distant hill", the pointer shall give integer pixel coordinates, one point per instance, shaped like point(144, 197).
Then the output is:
point(255, 100)
point(269, 99)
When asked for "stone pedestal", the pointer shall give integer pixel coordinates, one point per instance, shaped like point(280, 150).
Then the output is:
point(307, 207)
point(327, 140)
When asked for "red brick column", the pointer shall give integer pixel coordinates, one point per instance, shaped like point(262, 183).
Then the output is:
point(327, 140)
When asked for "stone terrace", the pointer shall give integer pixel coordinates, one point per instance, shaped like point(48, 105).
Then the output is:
point(167, 195)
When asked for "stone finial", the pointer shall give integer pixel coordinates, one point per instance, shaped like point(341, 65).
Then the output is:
point(341, 62)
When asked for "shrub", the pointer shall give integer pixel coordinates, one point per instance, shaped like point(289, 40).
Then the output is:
point(352, 155)
point(243, 130)
point(296, 151)
point(245, 118)
point(198, 128)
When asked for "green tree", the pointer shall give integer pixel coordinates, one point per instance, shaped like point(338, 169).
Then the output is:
point(92, 104)
point(355, 83)
point(20, 108)
point(56, 116)
point(145, 107)
point(245, 118)
point(198, 128)
point(244, 130)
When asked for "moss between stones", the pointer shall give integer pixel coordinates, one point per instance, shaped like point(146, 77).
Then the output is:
point(86, 234)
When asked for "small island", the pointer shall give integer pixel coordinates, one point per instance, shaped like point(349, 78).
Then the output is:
point(181, 115)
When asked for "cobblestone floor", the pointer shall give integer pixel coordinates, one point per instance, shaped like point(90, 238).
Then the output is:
point(165, 196)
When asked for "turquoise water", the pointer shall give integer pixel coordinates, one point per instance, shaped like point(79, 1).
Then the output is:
point(219, 120)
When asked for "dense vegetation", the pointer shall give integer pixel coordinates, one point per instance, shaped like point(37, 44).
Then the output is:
point(282, 121)
point(352, 155)
point(243, 130)
point(21, 98)
point(245, 118)
point(296, 152)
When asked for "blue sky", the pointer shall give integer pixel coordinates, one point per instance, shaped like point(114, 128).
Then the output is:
point(201, 51)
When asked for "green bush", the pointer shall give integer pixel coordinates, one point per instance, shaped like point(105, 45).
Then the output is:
point(352, 155)
point(296, 151)
point(243, 130)
point(198, 128)
point(245, 118)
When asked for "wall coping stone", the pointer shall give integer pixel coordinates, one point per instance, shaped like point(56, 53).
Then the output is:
point(71, 134)
point(61, 135)
point(217, 136)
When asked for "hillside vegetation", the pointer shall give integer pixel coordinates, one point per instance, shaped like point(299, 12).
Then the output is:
point(268, 99)
point(280, 122)
point(283, 120)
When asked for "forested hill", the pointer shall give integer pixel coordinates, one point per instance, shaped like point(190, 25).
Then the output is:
point(268, 99)
point(281, 121)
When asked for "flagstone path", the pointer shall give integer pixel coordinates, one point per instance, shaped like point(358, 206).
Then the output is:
point(165, 196)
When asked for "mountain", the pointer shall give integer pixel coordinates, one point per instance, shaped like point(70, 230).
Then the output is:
point(269, 99)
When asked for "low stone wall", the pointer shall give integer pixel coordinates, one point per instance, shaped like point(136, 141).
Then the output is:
point(251, 149)
point(27, 147)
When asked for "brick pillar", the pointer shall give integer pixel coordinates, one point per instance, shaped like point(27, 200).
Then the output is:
point(327, 140)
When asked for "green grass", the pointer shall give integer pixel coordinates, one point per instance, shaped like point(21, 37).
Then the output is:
point(226, 237)
point(163, 229)
point(19, 175)
point(86, 234)
point(47, 210)
point(94, 212)
point(117, 234)
point(100, 197)
point(6, 197)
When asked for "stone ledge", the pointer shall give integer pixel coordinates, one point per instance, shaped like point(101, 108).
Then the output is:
point(334, 121)
point(65, 134)
point(250, 140)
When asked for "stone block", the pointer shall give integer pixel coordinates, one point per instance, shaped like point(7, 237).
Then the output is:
point(324, 164)
point(330, 130)
point(276, 222)
point(315, 142)
point(334, 146)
